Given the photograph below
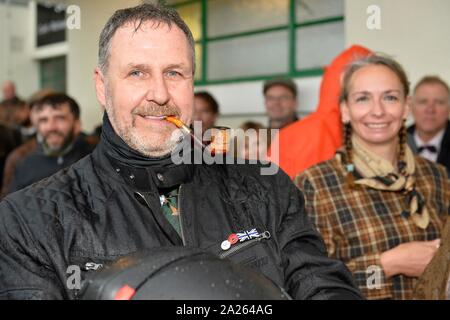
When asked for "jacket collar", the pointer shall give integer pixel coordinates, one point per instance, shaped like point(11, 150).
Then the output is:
point(138, 171)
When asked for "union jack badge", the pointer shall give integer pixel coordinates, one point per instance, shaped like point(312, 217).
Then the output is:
point(247, 235)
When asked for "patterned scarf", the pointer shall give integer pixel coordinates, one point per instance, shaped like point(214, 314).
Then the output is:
point(380, 174)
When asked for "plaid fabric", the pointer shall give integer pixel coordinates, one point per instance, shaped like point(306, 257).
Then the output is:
point(359, 224)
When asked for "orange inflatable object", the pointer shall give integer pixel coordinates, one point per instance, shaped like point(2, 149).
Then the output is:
point(316, 137)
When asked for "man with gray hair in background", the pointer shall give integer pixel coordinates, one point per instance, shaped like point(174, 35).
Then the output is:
point(129, 196)
point(429, 137)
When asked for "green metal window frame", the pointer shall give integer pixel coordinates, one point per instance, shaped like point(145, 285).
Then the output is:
point(291, 27)
point(57, 79)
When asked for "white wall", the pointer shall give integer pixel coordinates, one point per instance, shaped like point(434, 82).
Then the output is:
point(16, 55)
point(414, 32)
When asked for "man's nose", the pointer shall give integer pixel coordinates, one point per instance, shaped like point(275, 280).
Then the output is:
point(430, 107)
point(158, 91)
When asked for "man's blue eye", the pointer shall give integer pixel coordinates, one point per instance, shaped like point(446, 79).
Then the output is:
point(135, 73)
point(173, 73)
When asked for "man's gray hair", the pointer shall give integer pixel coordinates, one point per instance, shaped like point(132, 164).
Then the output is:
point(138, 15)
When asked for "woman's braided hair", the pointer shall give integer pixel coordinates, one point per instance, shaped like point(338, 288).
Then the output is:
point(382, 60)
point(349, 154)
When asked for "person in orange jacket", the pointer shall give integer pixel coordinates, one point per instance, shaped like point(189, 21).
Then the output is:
point(316, 137)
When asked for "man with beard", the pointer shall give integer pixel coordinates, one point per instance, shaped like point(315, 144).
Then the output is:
point(129, 196)
point(60, 142)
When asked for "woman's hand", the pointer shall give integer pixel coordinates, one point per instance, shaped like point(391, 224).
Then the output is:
point(409, 259)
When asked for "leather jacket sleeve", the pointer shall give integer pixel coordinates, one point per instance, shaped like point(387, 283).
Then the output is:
point(24, 270)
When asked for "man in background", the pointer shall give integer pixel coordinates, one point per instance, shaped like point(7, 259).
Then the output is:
point(280, 99)
point(9, 91)
point(206, 109)
point(429, 137)
point(58, 124)
point(26, 147)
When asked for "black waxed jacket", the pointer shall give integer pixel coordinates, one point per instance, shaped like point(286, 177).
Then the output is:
point(102, 208)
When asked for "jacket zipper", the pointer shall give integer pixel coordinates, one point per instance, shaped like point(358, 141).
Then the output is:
point(234, 249)
point(179, 214)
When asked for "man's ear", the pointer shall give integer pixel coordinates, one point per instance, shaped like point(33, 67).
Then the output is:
point(99, 80)
point(345, 112)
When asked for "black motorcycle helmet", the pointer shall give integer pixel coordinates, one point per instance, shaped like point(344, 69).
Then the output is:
point(178, 273)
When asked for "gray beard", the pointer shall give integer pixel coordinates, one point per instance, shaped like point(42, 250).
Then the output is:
point(141, 144)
